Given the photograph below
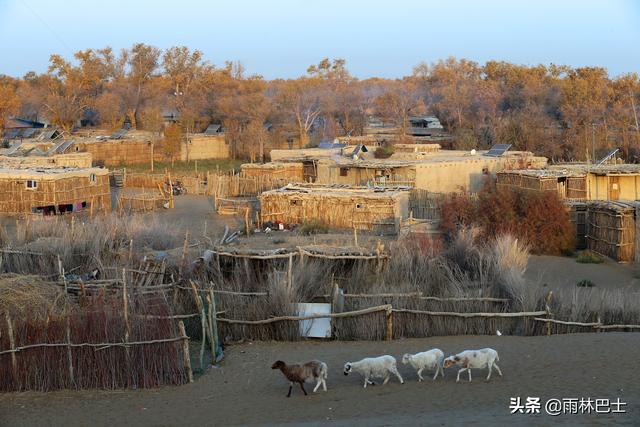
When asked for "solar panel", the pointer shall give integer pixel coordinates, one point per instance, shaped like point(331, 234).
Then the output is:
point(498, 150)
point(28, 132)
point(608, 156)
point(13, 148)
point(49, 134)
point(11, 133)
point(212, 129)
point(54, 148)
point(119, 134)
point(66, 144)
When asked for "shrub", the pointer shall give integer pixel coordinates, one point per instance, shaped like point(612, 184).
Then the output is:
point(456, 211)
point(538, 219)
point(589, 257)
point(383, 152)
point(313, 227)
point(585, 283)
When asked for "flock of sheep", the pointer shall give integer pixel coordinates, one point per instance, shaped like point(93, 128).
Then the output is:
point(385, 366)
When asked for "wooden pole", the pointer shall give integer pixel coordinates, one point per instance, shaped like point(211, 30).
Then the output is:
point(212, 342)
point(152, 156)
point(389, 317)
point(203, 322)
point(61, 274)
point(548, 310)
point(185, 351)
point(201, 309)
point(290, 273)
point(246, 220)
point(69, 355)
point(214, 325)
point(125, 308)
point(184, 254)
point(12, 344)
point(130, 251)
point(170, 191)
point(355, 236)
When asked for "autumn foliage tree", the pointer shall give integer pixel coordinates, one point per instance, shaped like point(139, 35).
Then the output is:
point(9, 101)
point(553, 110)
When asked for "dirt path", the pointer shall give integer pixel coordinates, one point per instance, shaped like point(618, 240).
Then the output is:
point(244, 391)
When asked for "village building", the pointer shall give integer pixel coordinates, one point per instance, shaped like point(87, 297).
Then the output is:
point(50, 191)
point(441, 171)
point(425, 167)
point(578, 181)
point(120, 148)
point(379, 210)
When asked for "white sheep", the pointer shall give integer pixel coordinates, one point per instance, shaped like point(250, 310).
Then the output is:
point(431, 359)
point(374, 367)
point(476, 359)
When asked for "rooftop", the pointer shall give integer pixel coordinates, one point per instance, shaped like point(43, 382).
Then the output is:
point(612, 169)
point(420, 158)
point(339, 191)
point(49, 173)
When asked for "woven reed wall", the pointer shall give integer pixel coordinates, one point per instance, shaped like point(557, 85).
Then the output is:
point(333, 210)
point(15, 198)
point(612, 230)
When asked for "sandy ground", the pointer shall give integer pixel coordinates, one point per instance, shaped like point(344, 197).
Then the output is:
point(245, 391)
point(565, 271)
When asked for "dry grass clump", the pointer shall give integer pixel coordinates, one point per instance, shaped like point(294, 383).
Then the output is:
point(85, 244)
point(29, 296)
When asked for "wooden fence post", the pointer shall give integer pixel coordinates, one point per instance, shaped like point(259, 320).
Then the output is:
point(389, 317)
point(214, 325)
point(246, 221)
point(125, 308)
point(203, 318)
point(548, 310)
point(185, 246)
point(290, 273)
point(69, 355)
point(185, 351)
point(12, 344)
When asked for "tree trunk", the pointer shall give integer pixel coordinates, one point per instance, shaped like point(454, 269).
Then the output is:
point(304, 138)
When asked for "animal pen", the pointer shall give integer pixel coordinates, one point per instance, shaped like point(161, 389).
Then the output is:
point(135, 200)
point(208, 183)
point(380, 210)
point(105, 334)
point(611, 229)
point(51, 191)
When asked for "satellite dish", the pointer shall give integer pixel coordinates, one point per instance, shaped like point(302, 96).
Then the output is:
point(473, 152)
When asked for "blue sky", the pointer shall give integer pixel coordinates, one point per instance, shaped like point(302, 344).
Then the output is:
point(280, 38)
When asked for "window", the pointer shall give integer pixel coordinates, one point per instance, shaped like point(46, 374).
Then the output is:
point(358, 206)
point(32, 184)
point(92, 178)
point(344, 171)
